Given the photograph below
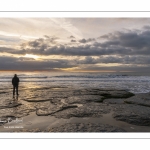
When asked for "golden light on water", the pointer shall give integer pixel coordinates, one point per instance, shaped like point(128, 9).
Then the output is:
point(31, 56)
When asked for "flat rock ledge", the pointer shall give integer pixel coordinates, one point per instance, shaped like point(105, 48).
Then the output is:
point(68, 111)
point(133, 114)
point(139, 99)
point(11, 105)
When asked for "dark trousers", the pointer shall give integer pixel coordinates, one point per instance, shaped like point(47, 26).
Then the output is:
point(15, 87)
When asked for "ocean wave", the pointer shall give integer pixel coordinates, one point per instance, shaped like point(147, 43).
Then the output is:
point(91, 76)
point(24, 77)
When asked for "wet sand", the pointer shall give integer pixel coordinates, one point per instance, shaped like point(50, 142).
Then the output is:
point(63, 109)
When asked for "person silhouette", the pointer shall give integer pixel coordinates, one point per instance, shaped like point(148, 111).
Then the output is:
point(15, 83)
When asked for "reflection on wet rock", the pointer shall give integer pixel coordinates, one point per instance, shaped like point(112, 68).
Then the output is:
point(87, 110)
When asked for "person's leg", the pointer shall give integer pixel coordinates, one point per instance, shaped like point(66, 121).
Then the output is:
point(13, 90)
point(17, 89)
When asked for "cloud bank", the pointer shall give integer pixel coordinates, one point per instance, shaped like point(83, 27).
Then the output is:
point(124, 50)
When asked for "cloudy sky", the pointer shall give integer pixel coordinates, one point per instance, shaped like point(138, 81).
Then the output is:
point(75, 44)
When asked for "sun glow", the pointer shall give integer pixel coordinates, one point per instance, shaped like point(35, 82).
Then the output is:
point(31, 56)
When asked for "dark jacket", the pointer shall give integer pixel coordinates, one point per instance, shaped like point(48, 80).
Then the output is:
point(15, 80)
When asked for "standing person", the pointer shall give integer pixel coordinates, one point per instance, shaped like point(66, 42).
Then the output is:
point(15, 83)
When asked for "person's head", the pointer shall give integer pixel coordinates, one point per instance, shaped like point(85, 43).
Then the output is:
point(15, 75)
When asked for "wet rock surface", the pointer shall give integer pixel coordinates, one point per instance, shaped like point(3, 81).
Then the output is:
point(83, 99)
point(20, 111)
point(133, 114)
point(87, 110)
point(114, 101)
point(52, 110)
point(90, 127)
point(67, 103)
point(10, 105)
point(140, 99)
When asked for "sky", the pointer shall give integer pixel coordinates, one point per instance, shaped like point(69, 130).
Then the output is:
point(75, 44)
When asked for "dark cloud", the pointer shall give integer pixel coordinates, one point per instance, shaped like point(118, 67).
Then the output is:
point(86, 40)
point(115, 59)
point(106, 36)
point(73, 40)
point(81, 50)
point(82, 41)
point(34, 43)
point(12, 51)
point(129, 63)
point(12, 63)
point(72, 37)
point(41, 42)
point(138, 39)
point(120, 68)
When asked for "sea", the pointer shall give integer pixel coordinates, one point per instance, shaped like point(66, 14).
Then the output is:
point(133, 82)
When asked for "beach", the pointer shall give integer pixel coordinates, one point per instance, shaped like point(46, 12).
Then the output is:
point(49, 107)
